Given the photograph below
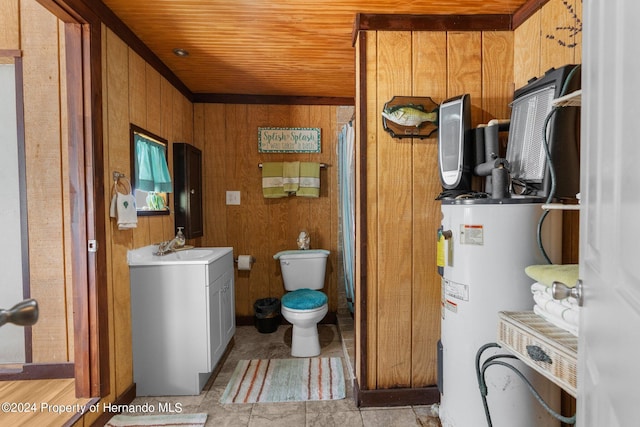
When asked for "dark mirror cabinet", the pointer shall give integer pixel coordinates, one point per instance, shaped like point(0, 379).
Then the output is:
point(187, 171)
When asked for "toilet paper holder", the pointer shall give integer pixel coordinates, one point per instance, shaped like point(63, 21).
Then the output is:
point(252, 259)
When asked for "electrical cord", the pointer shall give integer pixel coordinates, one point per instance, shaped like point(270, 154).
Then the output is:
point(552, 172)
point(552, 175)
point(481, 383)
point(493, 360)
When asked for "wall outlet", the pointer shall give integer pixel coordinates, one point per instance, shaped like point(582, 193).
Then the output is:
point(233, 197)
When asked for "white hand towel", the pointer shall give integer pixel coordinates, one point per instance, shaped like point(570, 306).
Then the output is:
point(555, 308)
point(126, 211)
point(539, 287)
point(568, 302)
point(113, 211)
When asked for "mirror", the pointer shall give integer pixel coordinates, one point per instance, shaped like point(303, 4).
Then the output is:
point(151, 181)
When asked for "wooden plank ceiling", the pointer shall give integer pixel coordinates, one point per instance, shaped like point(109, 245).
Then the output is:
point(271, 47)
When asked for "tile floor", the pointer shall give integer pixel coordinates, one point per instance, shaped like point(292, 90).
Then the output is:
point(335, 341)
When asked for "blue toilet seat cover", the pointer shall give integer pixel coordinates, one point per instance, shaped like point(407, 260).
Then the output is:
point(304, 299)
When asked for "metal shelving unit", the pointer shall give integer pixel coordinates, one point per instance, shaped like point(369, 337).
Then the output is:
point(573, 99)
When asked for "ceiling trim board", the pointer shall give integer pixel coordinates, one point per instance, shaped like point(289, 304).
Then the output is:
point(222, 98)
point(392, 22)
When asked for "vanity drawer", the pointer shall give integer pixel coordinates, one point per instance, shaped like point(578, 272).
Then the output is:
point(546, 348)
point(220, 266)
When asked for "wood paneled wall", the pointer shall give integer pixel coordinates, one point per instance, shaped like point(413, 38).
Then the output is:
point(402, 318)
point(227, 135)
point(543, 41)
point(403, 287)
point(133, 92)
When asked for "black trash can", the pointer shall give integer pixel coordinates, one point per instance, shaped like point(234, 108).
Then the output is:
point(267, 315)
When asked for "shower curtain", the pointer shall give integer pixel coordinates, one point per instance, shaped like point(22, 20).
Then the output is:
point(346, 164)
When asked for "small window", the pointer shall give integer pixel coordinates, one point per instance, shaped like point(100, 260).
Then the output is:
point(151, 178)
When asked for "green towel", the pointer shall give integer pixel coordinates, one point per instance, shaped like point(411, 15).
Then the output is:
point(291, 176)
point(272, 186)
point(309, 179)
point(549, 273)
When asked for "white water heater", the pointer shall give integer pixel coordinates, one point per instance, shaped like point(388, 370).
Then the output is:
point(491, 242)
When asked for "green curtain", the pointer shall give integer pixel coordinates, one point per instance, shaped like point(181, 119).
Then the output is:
point(151, 166)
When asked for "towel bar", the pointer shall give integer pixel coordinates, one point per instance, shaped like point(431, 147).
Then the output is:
point(322, 165)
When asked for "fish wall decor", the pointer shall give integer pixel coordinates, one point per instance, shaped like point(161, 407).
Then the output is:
point(410, 117)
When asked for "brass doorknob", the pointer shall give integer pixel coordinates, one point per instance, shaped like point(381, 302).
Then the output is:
point(24, 313)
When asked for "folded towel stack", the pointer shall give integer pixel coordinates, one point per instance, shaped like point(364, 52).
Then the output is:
point(563, 313)
point(281, 179)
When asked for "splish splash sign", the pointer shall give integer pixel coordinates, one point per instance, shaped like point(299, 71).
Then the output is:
point(288, 140)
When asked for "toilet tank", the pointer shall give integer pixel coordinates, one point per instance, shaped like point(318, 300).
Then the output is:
point(303, 268)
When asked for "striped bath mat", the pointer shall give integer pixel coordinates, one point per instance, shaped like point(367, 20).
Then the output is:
point(286, 380)
point(174, 420)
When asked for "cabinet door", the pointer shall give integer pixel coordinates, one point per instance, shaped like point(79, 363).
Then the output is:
point(187, 169)
point(227, 310)
point(216, 345)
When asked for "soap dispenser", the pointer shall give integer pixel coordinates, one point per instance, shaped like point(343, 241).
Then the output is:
point(180, 239)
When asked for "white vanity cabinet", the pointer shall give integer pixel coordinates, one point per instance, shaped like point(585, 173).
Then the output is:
point(182, 317)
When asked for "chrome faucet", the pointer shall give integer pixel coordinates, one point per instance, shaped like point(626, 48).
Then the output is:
point(170, 245)
point(166, 247)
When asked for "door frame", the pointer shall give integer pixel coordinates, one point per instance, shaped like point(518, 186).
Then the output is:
point(83, 41)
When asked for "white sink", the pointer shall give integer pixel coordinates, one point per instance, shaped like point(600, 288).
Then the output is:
point(145, 256)
point(189, 254)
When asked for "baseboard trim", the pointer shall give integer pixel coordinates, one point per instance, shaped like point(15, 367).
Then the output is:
point(395, 396)
point(124, 399)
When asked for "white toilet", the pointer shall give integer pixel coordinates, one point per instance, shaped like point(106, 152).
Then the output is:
point(304, 305)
